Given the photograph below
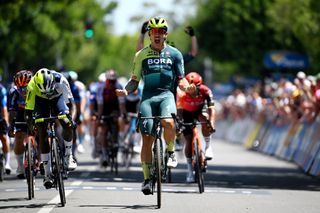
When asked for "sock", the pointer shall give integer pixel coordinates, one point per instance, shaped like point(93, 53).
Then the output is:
point(81, 138)
point(189, 166)
point(68, 146)
point(207, 140)
point(46, 163)
point(170, 146)
point(146, 170)
point(7, 158)
point(19, 159)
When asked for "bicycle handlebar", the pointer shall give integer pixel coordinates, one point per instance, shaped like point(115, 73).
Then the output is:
point(50, 119)
point(158, 117)
point(20, 122)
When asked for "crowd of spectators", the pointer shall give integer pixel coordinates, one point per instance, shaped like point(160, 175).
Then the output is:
point(281, 101)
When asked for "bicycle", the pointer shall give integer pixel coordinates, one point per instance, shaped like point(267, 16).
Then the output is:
point(57, 166)
point(129, 141)
point(199, 162)
point(31, 161)
point(112, 146)
point(159, 168)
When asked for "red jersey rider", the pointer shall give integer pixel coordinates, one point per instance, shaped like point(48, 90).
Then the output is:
point(190, 107)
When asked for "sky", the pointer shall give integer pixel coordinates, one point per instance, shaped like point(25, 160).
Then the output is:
point(120, 17)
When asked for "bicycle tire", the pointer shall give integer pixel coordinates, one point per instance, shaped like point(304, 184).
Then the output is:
point(197, 166)
point(158, 171)
point(58, 171)
point(29, 171)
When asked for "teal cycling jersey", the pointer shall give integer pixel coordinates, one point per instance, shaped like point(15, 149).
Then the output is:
point(158, 70)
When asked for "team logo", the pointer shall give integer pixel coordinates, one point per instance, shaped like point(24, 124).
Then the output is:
point(156, 61)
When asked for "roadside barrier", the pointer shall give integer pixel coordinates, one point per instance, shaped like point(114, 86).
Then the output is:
point(295, 142)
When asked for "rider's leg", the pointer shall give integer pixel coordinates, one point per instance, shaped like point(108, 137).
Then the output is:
point(45, 154)
point(67, 135)
point(146, 161)
point(188, 155)
point(146, 155)
point(18, 151)
point(6, 152)
point(169, 135)
point(104, 145)
point(206, 132)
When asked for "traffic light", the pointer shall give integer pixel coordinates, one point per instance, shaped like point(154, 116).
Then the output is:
point(89, 32)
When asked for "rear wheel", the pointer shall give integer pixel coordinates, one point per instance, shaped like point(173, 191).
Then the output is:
point(58, 171)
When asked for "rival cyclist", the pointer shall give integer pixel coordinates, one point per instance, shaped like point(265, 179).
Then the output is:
point(4, 117)
point(109, 104)
point(16, 105)
point(190, 106)
point(160, 66)
point(49, 91)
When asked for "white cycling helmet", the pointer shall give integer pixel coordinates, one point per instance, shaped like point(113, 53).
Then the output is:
point(44, 80)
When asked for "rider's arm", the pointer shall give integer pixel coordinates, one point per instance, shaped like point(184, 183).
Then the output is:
point(100, 100)
point(194, 42)
point(12, 105)
point(210, 103)
point(28, 118)
point(133, 83)
point(185, 86)
point(140, 42)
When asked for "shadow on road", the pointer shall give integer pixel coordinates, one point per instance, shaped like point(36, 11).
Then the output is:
point(114, 206)
point(221, 176)
point(38, 205)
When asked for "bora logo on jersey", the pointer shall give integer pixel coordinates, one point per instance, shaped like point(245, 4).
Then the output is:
point(155, 61)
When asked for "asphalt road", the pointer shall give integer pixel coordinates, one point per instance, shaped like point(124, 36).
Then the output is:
point(237, 180)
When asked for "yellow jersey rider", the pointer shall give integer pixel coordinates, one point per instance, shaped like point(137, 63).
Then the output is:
point(49, 94)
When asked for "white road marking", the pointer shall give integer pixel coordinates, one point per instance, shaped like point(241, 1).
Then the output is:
point(56, 199)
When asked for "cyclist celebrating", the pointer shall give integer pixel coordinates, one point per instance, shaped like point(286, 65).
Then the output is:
point(16, 105)
point(190, 107)
point(160, 66)
point(49, 91)
point(109, 104)
point(187, 57)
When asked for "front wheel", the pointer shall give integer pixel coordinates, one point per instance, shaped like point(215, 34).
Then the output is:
point(58, 171)
point(29, 168)
point(197, 167)
point(158, 172)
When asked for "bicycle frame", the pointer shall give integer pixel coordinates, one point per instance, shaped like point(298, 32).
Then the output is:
point(158, 172)
point(112, 148)
point(56, 154)
point(197, 158)
point(198, 161)
point(196, 139)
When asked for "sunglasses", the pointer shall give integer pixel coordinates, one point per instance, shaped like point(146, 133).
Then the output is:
point(158, 31)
